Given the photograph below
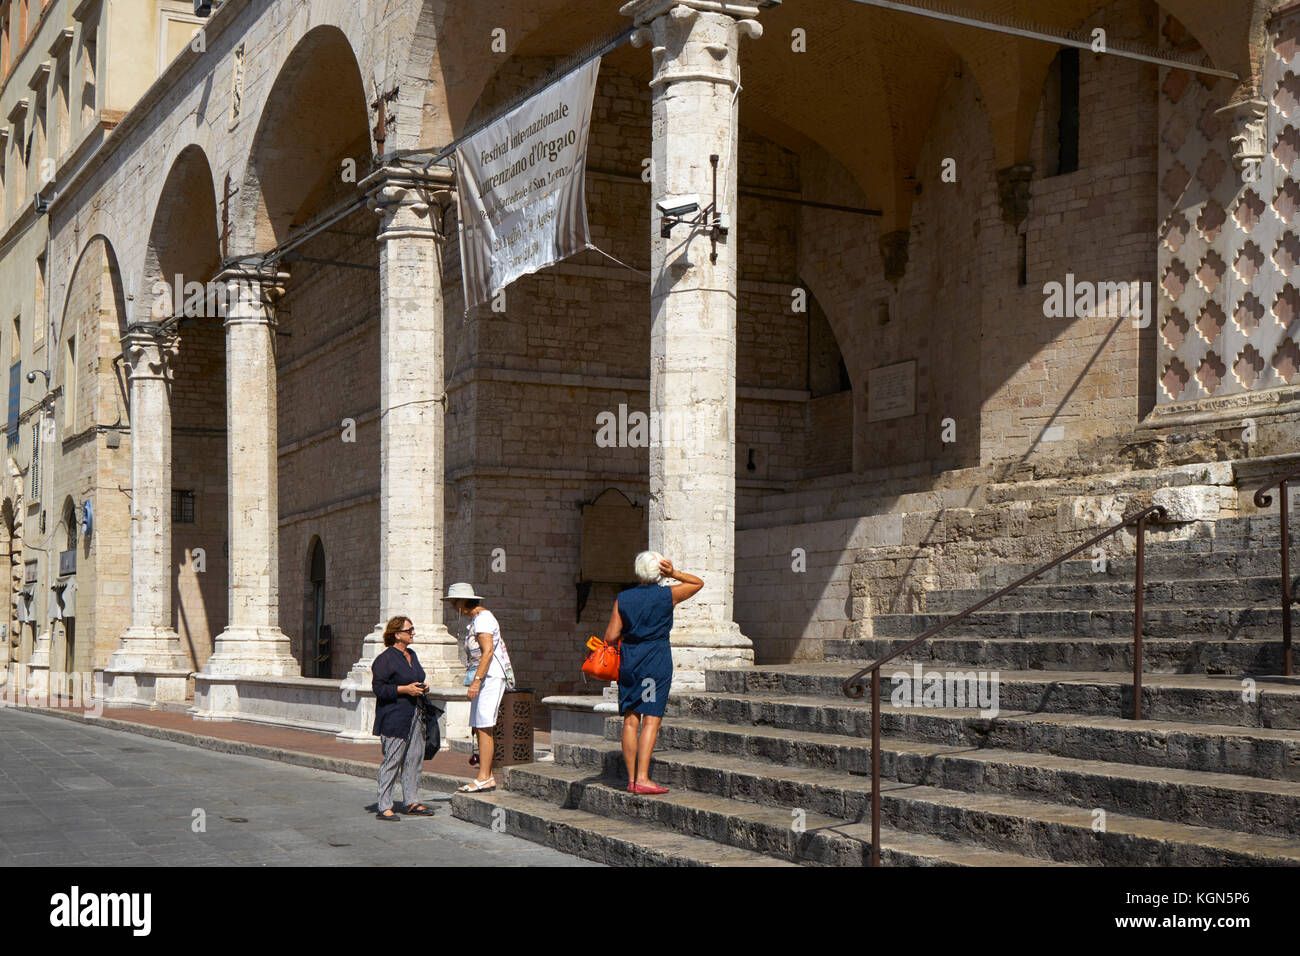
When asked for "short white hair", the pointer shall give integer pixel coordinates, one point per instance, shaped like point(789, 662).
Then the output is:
point(647, 567)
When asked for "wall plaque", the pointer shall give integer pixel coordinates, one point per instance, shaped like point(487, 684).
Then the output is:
point(891, 391)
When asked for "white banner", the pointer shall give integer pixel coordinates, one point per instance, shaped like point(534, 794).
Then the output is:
point(521, 186)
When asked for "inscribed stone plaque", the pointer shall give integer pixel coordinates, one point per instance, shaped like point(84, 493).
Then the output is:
point(891, 391)
point(613, 533)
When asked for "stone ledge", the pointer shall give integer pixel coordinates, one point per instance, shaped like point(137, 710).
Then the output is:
point(578, 718)
point(319, 704)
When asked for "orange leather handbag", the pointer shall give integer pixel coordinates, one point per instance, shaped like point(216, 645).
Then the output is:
point(602, 663)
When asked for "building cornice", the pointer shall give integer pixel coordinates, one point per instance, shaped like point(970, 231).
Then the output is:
point(166, 84)
point(19, 110)
point(40, 76)
point(84, 8)
point(62, 40)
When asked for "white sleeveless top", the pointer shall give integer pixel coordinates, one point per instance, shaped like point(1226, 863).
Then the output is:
point(485, 622)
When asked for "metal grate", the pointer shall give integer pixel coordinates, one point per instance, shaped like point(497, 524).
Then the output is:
point(182, 507)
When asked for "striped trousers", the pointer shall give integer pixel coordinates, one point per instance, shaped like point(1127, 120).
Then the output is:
point(404, 756)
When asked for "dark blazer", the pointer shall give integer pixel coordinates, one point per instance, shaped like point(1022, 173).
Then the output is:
point(394, 711)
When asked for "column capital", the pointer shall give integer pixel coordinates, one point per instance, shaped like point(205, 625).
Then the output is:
point(643, 12)
point(693, 40)
point(272, 282)
point(150, 351)
point(405, 198)
point(1248, 122)
point(251, 294)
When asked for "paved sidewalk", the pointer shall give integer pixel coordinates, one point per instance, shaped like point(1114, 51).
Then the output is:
point(304, 748)
point(75, 793)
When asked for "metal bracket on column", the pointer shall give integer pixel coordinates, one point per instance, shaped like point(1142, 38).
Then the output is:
point(709, 216)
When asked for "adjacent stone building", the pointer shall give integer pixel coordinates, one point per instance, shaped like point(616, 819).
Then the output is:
point(69, 71)
point(261, 364)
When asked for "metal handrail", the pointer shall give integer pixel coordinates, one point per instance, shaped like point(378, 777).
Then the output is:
point(1263, 500)
point(854, 687)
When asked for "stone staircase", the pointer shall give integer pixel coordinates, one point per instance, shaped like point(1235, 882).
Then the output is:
point(770, 765)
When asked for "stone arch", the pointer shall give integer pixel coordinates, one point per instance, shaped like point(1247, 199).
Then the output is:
point(1228, 38)
point(98, 254)
point(97, 312)
point(183, 236)
point(314, 117)
point(182, 256)
point(67, 532)
point(326, 347)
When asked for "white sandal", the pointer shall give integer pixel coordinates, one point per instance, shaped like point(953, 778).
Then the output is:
point(475, 787)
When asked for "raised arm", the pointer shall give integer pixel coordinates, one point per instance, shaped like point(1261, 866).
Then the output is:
point(688, 584)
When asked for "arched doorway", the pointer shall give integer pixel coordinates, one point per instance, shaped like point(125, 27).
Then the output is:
point(318, 655)
point(63, 605)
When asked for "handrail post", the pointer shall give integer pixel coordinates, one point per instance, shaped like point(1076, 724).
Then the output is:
point(1286, 580)
point(1137, 617)
point(875, 766)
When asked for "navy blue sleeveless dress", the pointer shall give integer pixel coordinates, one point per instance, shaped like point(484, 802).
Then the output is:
point(645, 673)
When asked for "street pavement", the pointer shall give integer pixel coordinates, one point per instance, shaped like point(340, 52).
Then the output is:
point(73, 794)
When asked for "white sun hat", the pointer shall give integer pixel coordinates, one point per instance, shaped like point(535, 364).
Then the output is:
point(461, 590)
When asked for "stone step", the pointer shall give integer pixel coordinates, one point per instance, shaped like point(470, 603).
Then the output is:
point(1160, 655)
point(1192, 698)
point(615, 842)
point(799, 730)
point(1223, 800)
point(1044, 830)
point(1110, 593)
point(736, 826)
point(1178, 566)
point(1222, 623)
point(1267, 542)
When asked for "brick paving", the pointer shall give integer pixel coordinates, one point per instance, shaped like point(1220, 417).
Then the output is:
point(277, 743)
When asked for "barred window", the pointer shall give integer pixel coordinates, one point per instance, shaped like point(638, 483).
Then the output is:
point(182, 507)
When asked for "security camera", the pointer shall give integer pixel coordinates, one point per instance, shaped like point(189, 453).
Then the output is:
point(42, 204)
point(31, 378)
point(675, 207)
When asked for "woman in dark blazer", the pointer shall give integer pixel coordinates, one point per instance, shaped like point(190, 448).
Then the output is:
point(398, 682)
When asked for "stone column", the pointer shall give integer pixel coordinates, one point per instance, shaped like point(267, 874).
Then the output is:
point(412, 205)
point(693, 316)
point(149, 664)
point(252, 645)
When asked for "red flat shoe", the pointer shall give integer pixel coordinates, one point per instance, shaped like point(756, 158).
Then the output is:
point(653, 790)
point(631, 788)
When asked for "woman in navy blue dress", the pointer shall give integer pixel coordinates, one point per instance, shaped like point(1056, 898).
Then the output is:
point(641, 621)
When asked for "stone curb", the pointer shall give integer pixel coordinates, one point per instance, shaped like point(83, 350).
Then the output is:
point(354, 768)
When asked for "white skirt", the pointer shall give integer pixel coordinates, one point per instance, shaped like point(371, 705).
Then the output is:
point(483, 708)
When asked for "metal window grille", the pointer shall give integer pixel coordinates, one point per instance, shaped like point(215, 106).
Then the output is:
point(183, 507)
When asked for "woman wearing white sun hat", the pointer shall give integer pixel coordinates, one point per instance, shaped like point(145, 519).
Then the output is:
point(488, 676)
